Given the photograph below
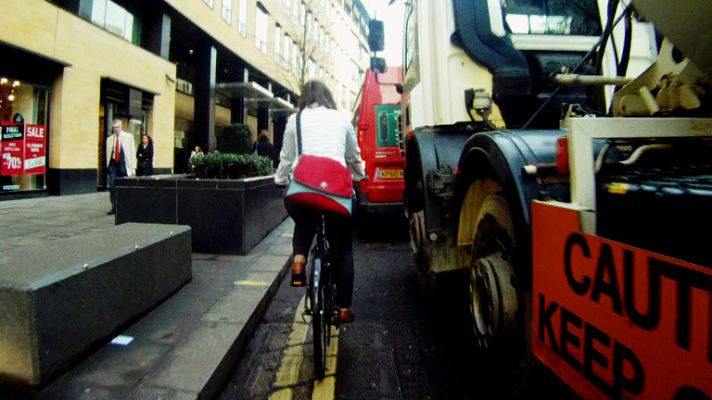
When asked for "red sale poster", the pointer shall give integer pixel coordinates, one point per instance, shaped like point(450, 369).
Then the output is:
point(35, 150)
point(12, 149)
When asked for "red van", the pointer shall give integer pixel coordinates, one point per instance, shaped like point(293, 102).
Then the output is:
point(377, 120)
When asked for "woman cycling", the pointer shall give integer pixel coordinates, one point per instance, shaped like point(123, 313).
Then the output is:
point(325, 132)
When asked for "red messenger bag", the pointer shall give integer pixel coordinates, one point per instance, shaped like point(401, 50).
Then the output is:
point(320, 183)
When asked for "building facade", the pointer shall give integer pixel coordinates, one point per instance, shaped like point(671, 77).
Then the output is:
point(178, 70)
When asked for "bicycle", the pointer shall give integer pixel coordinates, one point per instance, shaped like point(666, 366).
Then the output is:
point(320, 301)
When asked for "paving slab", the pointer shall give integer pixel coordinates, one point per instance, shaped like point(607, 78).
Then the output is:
point(186, 347)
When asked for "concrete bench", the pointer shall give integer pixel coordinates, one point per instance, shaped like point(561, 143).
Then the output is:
point(63, 299)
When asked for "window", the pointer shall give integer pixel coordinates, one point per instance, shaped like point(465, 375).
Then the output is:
point(227, 10)
point(295, 58)
point(549, 17)
point(242, 18)
point(311, 68)
point(261, 20)
point(115, 19)
point(277, 47)
point(310, 25)
point(363, 54)
point(209, 2)
point(287, 45)
point(317, 33)
point(295, 9)
point(409, 42)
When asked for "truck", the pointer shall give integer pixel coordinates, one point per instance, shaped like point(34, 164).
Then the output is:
point(558, 159)
point(377, 120)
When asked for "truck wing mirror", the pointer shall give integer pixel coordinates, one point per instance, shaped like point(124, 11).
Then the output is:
point(378, 64)
point(375, 35)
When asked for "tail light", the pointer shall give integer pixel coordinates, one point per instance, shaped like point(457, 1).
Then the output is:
point(562, 155)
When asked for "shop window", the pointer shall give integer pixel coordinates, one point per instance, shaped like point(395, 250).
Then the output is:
point(115, 19)
point(23, 120)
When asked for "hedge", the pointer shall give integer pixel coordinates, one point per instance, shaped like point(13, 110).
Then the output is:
point(234, 138)
point(218, 165)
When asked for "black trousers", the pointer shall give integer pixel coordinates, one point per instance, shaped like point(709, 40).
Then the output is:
point(115, 171)
point(339, 232)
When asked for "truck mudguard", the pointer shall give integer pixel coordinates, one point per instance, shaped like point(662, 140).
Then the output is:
point(507, 152)
point(435, 149)
point(501, 155)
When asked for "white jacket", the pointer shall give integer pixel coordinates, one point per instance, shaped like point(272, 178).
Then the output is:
point(129, 148)
point(326, 133)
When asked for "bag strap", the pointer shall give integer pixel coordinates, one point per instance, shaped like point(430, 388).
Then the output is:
point(299, 133)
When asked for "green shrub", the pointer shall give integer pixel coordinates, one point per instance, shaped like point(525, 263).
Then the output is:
point(234, 138)
point(218, 165)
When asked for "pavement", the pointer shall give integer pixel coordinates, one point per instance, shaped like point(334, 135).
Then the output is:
point(185, 348)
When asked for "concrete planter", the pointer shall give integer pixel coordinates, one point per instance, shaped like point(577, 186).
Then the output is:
point(227, 216)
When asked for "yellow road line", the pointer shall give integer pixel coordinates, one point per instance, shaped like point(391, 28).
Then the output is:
point(281, 394)
point(325, 389)
point(251, 283)
point(288, 374)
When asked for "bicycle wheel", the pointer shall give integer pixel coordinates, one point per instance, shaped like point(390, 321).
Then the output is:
point(319, 320)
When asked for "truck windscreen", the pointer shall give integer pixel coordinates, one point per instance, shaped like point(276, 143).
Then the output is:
point(552, 17)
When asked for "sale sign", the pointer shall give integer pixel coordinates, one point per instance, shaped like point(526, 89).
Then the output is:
point(35, 150)
point(23, 149)
point(12, 149)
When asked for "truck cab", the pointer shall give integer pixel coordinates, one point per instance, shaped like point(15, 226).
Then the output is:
point(377, 120)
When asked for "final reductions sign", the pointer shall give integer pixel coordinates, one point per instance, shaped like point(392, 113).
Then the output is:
point(23, 149)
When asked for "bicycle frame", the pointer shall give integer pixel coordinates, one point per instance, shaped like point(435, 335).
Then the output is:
point(321, 298)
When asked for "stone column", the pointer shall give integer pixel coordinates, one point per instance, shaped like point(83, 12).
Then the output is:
point(204, 85)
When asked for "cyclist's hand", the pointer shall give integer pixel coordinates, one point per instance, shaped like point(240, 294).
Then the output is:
point(282, 187)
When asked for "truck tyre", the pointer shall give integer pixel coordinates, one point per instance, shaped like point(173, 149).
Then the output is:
point(414, 205)
point(496, 303)
point(419, 248)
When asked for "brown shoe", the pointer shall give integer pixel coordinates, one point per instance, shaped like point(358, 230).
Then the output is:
point(346, 315)
point(299, 277)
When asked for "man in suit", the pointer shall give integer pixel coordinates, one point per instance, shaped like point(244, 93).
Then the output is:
point(120, 158)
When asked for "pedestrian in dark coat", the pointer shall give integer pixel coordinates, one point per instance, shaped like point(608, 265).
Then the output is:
point(144, 156)
point(263, 147)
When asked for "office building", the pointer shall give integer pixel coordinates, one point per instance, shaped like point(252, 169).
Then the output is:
point(175, 69)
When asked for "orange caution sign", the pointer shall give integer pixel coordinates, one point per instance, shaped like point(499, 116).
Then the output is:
point(615, 321)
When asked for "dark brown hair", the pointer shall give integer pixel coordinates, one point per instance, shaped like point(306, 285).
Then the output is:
point(150, 139)
point(316, 92)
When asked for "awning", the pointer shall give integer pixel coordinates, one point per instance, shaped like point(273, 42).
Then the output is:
point(280, 105)
point(255, 96)
point(243, 90)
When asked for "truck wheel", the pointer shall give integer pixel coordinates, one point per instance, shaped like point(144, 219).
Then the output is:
point(418, 246)
point(494, 299)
